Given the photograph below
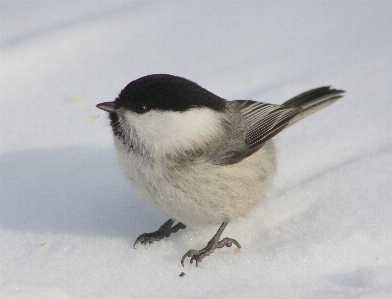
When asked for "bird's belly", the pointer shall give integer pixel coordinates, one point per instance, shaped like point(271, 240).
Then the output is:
point(204, 194)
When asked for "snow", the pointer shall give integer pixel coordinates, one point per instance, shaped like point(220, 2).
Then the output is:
point(68, 217)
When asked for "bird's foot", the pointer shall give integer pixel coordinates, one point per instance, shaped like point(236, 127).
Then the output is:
point(199, 255)
point(164, 231)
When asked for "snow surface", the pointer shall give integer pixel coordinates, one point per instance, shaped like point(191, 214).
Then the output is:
point(68, 217)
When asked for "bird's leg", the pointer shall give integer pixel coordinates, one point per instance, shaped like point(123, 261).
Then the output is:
point(198, 255)
point(164, 231)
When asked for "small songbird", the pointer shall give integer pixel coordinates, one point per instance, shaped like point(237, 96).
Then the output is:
point(198, 158)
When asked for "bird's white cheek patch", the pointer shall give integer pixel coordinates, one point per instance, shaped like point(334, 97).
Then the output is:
point(166, 130)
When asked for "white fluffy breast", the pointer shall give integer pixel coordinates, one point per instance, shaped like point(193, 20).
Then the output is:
point(168, 130)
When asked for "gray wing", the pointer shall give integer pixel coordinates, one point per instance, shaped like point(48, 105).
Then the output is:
point(263, 121)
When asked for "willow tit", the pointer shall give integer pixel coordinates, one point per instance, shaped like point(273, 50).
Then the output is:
point(196, 157)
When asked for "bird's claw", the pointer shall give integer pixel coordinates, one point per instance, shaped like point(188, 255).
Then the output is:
point(199, 255)
point(164, 231)
point(147, 238)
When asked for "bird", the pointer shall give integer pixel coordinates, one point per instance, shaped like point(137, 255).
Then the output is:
point(198, 158)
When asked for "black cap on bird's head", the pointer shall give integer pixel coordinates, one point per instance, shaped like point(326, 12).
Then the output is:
point(163, 92)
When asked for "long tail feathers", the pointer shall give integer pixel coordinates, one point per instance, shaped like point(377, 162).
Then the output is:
point(312, 101)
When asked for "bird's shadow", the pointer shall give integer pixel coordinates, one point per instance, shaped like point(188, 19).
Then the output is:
point(74, 190)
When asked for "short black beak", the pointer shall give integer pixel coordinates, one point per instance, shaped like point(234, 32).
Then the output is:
point(107, 106)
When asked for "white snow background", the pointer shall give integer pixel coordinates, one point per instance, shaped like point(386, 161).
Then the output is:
point(69, 218)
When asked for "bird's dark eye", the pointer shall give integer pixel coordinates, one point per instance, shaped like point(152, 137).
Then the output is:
point(141, 109)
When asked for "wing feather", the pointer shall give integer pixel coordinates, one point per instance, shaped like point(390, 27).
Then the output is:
point(263, 121)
